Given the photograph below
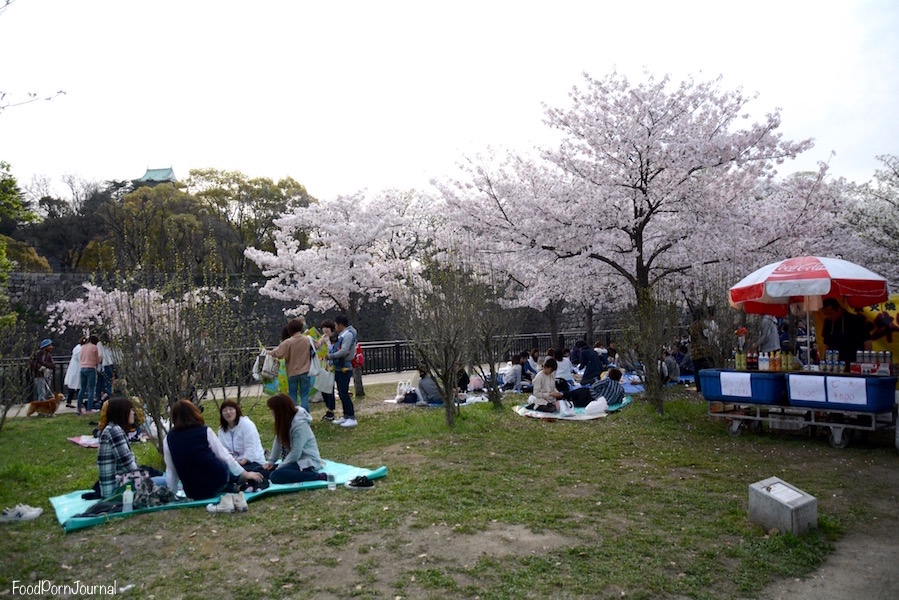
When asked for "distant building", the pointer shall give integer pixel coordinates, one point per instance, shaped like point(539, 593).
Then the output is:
point(154, 177)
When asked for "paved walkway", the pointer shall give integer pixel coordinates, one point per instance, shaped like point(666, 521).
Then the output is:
point(20, 410)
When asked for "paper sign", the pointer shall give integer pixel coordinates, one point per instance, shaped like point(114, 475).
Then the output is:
point(847, 390)
point(736, 384)
point(809, 388)
point(783, 493)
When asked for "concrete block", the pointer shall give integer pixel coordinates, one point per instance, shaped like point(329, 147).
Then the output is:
point(775, 504)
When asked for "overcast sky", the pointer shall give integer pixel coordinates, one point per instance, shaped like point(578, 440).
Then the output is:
point(350, 95)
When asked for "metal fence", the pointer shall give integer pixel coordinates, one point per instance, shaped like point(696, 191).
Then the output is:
point(234, 365)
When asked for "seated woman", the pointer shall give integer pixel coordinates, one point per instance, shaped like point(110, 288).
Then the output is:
point(564, 369)
point(239, 436)
point(293, 433)
point(428, 391)
point(195, 456)
point(114, 456)
point(512, 376)
point(545, 392)
point(133, 429)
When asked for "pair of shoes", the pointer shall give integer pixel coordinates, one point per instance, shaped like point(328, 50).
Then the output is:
point(21, 512)
point(339, 421)
point(329, 416)
point(79, 412)
point(349, 423)
point(359, 483)
point(421, 403)
point(69, 405)
point(228, 503)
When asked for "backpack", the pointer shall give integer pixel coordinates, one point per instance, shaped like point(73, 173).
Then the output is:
point(358, 358)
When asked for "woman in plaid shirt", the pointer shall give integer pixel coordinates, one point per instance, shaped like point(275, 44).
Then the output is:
point(114, 456)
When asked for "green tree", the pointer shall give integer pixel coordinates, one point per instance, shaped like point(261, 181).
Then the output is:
point(249, 205)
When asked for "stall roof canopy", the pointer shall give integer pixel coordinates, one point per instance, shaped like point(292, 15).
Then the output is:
point(157, 176)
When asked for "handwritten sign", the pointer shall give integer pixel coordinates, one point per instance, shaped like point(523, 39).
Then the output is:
point(736, 384)
point(847, 390)
point(809, 388)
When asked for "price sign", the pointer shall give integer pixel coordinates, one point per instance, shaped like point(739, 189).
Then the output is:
point(736, 384)
point(847, 390)
point(809, 388)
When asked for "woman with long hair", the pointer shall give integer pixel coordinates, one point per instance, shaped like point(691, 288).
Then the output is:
point(114, 456)
point(293, 434)
point(194, 455)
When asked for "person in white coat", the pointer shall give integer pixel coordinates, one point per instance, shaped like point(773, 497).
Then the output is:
point(73, 373)
point(239, 436)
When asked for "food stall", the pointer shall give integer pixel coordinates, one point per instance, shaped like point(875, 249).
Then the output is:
point(793, 401)
point(860, 396)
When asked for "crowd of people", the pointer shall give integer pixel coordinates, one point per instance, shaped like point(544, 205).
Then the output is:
point(206, 464)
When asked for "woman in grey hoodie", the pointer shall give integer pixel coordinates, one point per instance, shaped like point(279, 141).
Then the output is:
point(293, 433)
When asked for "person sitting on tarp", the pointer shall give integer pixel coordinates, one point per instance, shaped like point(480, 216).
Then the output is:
point(609, 387)
point(427, 389)
point(844, 332)
point(512, 376)
point(545, 392)
point(669, 368)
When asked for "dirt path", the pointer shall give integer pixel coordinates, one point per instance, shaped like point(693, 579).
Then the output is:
point(865, 566)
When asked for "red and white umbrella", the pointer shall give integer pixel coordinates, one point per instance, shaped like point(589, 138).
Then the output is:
point(807, 279)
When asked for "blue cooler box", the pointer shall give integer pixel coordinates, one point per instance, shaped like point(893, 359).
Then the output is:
point(860, 393)
point(764, 387)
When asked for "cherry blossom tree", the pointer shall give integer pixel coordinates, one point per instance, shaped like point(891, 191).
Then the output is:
point(647, 182)
point(874, 217)
point(340, 253)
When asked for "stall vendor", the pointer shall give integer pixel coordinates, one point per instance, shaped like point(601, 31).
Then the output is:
point(844, 332)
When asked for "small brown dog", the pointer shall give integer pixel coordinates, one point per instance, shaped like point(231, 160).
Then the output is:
point(45, 407)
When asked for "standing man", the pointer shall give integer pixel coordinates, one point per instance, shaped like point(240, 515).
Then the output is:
point(844, 332)
point(341, 357)
point(42, 369)
point(297, 354)
point(590, 362)
point(769, 340)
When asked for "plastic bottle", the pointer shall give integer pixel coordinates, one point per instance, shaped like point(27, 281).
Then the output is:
point(763, 361)
point(332, 485)
point(128, 499)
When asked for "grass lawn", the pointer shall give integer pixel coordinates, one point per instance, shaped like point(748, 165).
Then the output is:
point(634, 504)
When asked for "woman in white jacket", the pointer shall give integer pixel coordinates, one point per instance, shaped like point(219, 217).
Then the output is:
point(73, 373)
point(238, 434)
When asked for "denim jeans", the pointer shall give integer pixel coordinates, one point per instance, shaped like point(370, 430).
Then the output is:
point(304, 383)
point(88, 383)
point(342, 378)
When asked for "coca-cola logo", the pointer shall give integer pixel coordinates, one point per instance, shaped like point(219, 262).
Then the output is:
point(802, 267)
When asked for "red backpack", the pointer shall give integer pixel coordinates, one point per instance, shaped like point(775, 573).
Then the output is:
point(358, 358)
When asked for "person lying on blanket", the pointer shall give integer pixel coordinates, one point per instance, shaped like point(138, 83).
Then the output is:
point(545, 392)
point(293, 433)
point(114, 456)
point(239, 436)
point(194, 455)
point(609, 387)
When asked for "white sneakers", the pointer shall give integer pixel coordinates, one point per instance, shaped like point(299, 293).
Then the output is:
point(21, 512)
point(344, 422)
point(229, 503)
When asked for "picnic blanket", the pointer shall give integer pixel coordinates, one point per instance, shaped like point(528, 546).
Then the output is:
point(579, 414)
point(89, 441)
point(85, 441)
point(71, 504)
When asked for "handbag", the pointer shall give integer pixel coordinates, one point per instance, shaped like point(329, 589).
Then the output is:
point(270, 366)
point(566, 408)
point(315, 367)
